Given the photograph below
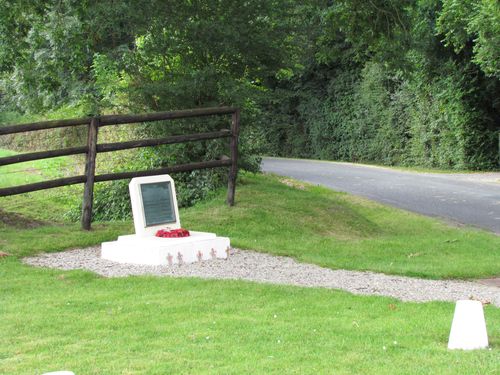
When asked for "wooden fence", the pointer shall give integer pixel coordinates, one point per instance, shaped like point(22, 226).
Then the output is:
point(93, 148)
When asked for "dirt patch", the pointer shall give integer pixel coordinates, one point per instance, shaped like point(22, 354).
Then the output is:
point(492, 281)
point(489, 177)
point(32, 171)
point(15, 220)
point(292, 183)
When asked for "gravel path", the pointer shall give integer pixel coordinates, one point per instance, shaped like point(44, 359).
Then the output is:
point(253, 266)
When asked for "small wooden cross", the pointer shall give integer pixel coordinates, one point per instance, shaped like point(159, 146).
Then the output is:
point(170, 259)
point(213, 253)
point(200, 256)
point(228, 249)
point(179, 257)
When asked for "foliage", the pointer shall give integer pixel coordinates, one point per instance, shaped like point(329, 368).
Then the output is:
point(384, 88)
point(476, 23)
point(150, 57)
point(394, 82)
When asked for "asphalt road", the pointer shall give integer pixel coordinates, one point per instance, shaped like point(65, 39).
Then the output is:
point(472, 199)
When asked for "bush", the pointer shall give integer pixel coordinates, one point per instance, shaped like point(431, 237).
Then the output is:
point(375, 115)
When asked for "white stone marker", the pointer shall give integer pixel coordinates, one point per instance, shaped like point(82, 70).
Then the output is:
point(468, 329)
point(154, 207)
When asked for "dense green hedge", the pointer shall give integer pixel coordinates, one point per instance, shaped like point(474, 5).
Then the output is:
point(379, 118)
point(395, 93)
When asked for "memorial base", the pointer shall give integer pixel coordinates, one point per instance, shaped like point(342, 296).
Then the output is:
point(150, 250)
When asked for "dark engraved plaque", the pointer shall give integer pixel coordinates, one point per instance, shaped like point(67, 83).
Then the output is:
point(158, 203)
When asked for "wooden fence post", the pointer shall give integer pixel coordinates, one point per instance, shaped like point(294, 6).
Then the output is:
point(233, 171)
point(88, 192)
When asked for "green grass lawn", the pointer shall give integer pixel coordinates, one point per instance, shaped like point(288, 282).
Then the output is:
point(312, 224)
point(36, 222)
point(76, 320)
point(338, 230)
point(29, 172)
point(145, 325)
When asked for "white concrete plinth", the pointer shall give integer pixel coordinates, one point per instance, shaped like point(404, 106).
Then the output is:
point(156, 251)
point(468, 329)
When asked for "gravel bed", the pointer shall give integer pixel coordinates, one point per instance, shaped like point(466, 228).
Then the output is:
point(265, 268)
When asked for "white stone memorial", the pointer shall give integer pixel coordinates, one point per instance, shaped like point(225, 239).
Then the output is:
point(154, 208)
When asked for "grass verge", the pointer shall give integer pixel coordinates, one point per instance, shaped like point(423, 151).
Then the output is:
point(312, 224)
point(75, 320)
point(337, 230)
point(53, 320)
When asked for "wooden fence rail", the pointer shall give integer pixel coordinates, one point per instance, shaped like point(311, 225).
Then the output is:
point(93, 148)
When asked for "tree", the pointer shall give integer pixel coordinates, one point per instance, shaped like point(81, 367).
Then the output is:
point(476, 24)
